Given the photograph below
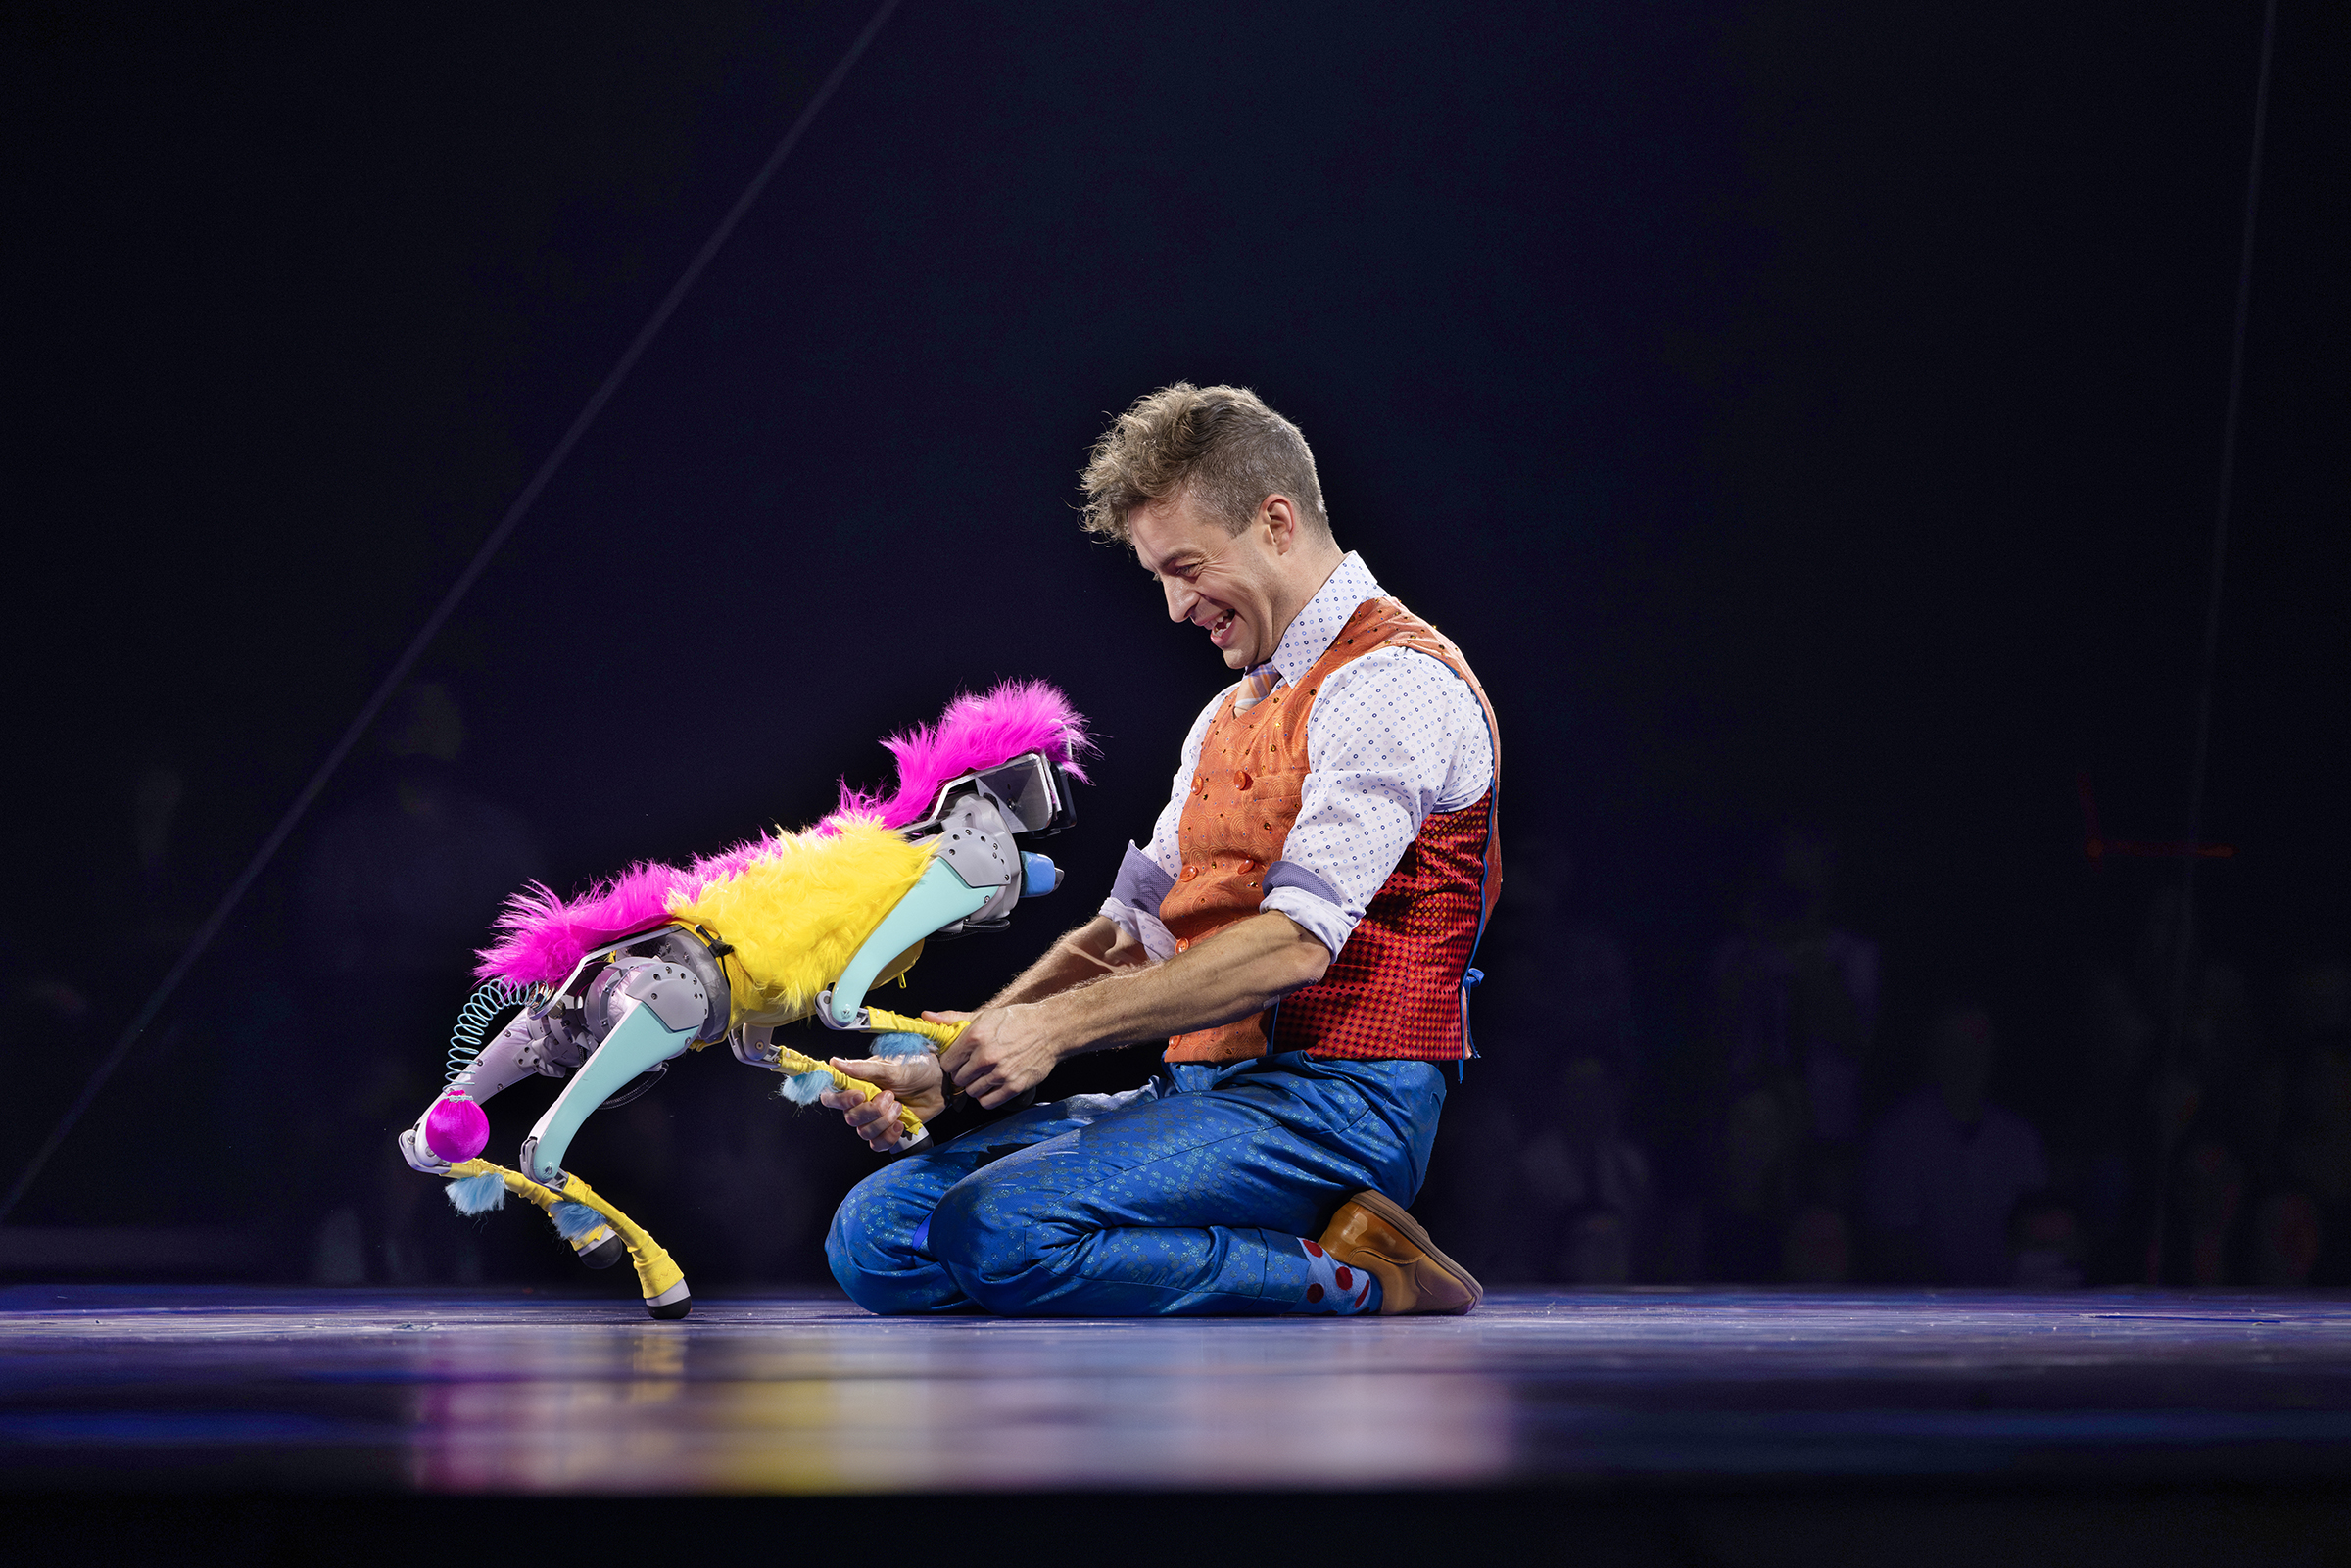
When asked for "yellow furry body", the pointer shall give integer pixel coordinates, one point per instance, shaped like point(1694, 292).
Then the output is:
point(797, 913)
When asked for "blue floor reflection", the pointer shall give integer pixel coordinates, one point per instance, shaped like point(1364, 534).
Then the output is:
point(489, 1392)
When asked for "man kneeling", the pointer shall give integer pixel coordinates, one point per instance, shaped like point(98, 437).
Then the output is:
point(1300, 931)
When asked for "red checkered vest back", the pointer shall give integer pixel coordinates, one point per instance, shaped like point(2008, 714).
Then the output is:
point(1398, 988)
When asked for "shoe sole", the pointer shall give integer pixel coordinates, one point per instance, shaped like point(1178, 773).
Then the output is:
point(1394, 1214)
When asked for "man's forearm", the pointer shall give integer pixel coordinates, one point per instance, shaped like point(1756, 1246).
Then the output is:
point(1242, 970)
point(1245, 968)
point(1091, 951)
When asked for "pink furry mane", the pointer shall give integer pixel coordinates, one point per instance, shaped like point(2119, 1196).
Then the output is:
point(542, 936)
point(976, 732)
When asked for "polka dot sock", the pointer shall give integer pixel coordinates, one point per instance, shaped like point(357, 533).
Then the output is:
point(1334, 1290)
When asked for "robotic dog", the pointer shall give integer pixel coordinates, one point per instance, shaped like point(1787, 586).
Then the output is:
point(608, 988)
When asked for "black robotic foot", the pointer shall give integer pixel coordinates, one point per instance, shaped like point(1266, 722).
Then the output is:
point(667, 1312)
point(604, 1254)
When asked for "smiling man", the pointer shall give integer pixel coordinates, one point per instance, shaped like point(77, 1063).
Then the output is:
point(1299, 930)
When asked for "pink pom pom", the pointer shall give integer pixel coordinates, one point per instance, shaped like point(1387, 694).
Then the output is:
point(456, 1128)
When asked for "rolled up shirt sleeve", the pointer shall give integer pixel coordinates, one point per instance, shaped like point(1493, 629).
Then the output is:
point(1147, 872)
point(1320, 909)
point(1134, 899)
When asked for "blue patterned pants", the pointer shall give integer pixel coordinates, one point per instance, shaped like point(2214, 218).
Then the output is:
point(1185, 1196)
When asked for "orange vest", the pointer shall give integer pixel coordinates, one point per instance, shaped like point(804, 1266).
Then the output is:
point(1398, 988)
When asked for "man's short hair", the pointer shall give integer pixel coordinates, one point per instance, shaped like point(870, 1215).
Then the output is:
point(1222, 445)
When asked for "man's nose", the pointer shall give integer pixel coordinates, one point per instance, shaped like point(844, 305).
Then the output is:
point(1181, 599)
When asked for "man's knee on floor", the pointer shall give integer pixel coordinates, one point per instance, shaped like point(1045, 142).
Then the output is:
point(984, 1234)
point(852, 1253)
point(874, 1237)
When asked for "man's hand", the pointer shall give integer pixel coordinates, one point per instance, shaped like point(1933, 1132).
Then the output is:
point(914, 1081)
point(1007, 1050)
point(1058, 1010)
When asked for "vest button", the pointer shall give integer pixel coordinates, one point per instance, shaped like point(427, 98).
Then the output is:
point(1190, 871)
point(1241, 779)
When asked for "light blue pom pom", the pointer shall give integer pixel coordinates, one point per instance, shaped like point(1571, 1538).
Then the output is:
point(900, 1043)
point(803, 1088)
point(477, 1195)
point(574, 1221)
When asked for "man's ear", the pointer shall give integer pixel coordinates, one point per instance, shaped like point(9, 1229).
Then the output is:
point(1277, 513)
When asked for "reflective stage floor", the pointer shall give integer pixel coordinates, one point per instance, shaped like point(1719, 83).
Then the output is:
point(441, 1391)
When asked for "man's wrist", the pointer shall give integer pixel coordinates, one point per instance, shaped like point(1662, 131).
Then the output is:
point(1065, 1021)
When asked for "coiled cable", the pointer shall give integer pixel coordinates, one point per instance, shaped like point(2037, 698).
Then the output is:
point(476, 1018)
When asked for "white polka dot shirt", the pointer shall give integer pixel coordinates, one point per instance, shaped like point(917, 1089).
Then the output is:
point(1392, 736)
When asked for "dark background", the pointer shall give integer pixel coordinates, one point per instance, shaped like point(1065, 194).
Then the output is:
point(1805, 415)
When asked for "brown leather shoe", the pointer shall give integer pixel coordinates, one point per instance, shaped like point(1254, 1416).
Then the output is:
point(1373, 1233)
